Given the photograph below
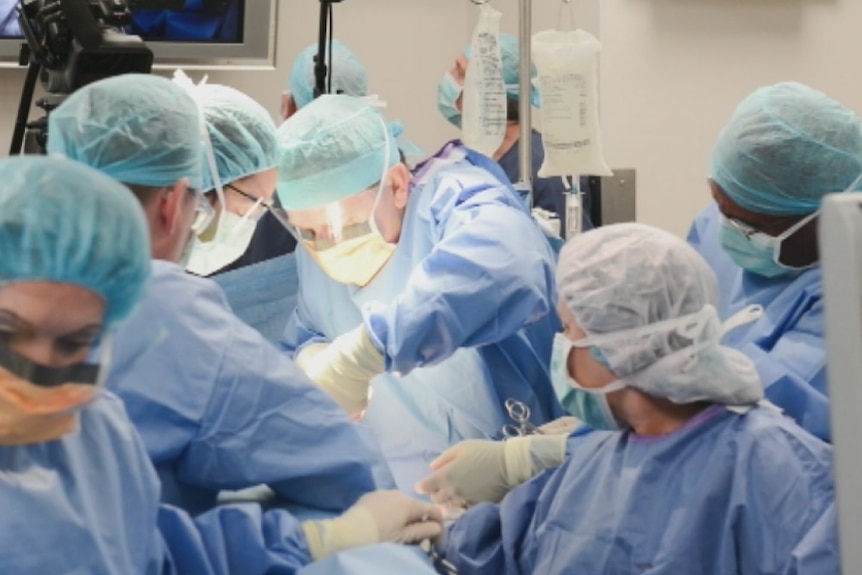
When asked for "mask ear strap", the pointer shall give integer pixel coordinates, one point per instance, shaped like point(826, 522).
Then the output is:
point(744, 317)
point(387, 157)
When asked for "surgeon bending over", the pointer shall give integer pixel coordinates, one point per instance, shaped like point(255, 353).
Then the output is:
point(78, 491)
point(435, 284)
point(785, 147)
point(686, 471)
point(218, 407)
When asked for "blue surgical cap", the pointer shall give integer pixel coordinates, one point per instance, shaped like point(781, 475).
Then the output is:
point(786, 147)
point(332, 149)
point(348, 74)
point(511, 59)
point(136, 128)
point(63, 222)
point(243, 135)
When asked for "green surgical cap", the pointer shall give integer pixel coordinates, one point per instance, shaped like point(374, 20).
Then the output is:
point(136, 128)
point(243, 135)
point(63, 222)
point(786, 147)
point(331, 150)
point(348, 74)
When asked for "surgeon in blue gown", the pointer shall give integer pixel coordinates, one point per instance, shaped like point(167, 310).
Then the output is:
point(685, 470)
point(245, 155)
point(785, 147)
point(548, 193)
point(78, 491)
point(219, 408)
point(436, 285)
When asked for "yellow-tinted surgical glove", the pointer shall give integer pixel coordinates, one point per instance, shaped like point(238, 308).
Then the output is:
point(379, 517)
point(307, 354)
point(345, 368)
point(479, 470)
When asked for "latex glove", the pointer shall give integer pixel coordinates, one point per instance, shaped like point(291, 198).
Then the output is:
point(345, 368)
point(379, 517)
point(564, 425)
point(480, 470)
point(307, 355)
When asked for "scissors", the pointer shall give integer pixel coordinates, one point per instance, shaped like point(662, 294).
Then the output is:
point(520, 414)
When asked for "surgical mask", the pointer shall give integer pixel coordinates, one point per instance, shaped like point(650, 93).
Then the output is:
point(40, 403)
point(588, 405)
point(232, 238)
point(448, 91)
point(756, 251)
point(357, 259)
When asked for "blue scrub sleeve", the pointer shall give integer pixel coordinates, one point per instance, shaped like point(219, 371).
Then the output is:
point(488, 539)
point(232, 539)
point(266, 422)
point(487, 277)
point(797, 395)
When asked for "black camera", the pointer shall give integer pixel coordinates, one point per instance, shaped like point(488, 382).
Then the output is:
point(71, 43)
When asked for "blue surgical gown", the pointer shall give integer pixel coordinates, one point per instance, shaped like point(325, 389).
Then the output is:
point(786, 344)
point(548, 193)
point(727, 494)
point(263, 294)
point(219, 408)
point(88, 503)
point(85, 503)
point(464, 309)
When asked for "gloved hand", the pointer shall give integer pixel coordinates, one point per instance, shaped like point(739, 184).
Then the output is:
point(379, 517)
point(307, 355)
point(345, 368)
point(480, 470)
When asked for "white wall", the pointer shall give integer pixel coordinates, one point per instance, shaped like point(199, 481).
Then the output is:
point(674, 70)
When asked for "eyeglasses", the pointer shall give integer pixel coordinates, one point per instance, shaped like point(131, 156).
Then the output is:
point(520, 414)
point(204, 213)
point(748, 230)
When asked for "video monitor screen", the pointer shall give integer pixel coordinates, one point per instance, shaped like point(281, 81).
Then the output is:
point(200, 21)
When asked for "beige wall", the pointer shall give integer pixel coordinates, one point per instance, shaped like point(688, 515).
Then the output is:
point(672, 71)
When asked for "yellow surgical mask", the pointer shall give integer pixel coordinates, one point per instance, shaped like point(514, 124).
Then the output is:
point(41, 403)
point(355, 261)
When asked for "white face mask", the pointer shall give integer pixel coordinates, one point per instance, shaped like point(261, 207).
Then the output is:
point(233, 236)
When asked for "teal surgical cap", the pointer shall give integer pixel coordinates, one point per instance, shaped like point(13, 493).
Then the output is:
point(136, 128)
point(348, 74)
point(786, 147)
point(63, 222)
point(243, 135)
point(511, 59)
point(332, 149)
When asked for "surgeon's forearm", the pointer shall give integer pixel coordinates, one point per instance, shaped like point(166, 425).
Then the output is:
point(463, 297)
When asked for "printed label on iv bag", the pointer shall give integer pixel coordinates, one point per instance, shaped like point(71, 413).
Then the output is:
point(483, 121)
point(567, 65)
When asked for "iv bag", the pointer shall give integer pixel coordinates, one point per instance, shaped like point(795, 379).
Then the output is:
point(483, 122)
point(567, 65)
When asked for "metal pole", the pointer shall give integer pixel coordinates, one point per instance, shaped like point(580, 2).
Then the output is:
point(524, 110)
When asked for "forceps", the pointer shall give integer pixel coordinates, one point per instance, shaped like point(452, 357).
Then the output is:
point(520, 414)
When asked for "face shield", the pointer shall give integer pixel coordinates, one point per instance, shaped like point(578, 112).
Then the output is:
point(40, 403)
point(343, 237)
